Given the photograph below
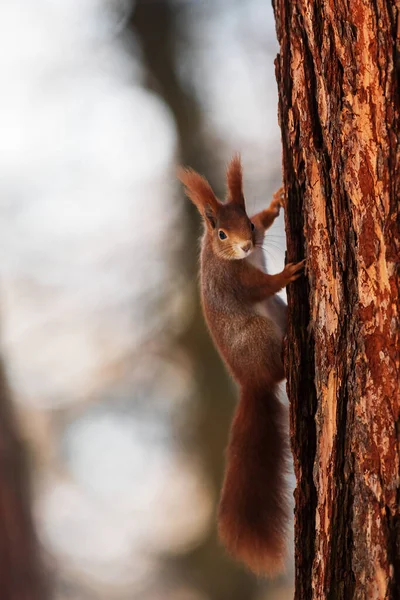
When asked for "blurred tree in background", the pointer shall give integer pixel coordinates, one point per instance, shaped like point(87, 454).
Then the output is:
point(122, 400)
point(159, 28)
point(22, 574)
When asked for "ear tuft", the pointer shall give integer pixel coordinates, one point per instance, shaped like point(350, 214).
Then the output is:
point(197, 189)
point(234, 180)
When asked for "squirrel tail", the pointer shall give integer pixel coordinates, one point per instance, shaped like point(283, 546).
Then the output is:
point(253, 511)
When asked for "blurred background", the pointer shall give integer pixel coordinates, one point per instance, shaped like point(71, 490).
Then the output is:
point(122, 404)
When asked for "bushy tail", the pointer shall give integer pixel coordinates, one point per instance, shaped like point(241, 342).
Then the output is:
point(253, 510)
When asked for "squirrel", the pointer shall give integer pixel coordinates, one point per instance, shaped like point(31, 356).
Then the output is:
point(247, 322)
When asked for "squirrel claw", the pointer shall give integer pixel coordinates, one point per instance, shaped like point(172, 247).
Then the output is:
point(292, 271)
point(278, 199)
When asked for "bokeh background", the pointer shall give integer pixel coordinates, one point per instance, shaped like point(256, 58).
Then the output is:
point(120, 397)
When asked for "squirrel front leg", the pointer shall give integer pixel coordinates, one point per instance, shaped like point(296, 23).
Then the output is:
point(258, 286)
point(264, 219)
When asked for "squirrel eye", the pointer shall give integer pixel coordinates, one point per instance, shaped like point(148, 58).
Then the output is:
point(222, 235)
point(252, 226)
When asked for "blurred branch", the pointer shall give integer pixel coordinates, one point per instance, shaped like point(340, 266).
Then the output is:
point(155, 23)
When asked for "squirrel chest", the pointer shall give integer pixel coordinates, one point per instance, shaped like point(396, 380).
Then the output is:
point(227, 313)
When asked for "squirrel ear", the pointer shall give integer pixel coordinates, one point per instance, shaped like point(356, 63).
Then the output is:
point(210, 216)
point(234, 181)
point(200, 192)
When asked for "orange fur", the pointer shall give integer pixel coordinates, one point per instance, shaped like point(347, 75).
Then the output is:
point(253, 510)
point(198, 189)
point(234, 179)
point(247, 323)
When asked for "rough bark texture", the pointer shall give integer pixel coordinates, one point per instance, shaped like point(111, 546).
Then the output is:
point(338, 80)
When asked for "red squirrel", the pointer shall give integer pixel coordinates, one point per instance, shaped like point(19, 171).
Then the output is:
point(247, 322)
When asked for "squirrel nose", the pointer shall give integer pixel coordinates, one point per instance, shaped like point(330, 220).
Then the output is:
point(246, 247)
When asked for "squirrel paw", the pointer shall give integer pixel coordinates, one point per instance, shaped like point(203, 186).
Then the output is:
point(278, 200)
point(293, 271)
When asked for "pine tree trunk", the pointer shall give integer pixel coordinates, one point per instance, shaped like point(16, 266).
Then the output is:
point(339, 107)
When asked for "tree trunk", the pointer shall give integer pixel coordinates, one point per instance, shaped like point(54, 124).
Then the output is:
point(339, 107)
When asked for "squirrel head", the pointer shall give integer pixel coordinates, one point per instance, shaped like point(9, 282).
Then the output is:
point(232, 232)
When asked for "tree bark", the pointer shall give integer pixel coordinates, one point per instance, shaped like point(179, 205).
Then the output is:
point(339, 108)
